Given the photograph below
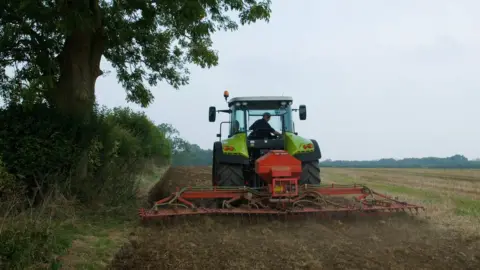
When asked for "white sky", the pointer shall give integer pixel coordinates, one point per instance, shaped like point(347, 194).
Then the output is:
point(379, 78)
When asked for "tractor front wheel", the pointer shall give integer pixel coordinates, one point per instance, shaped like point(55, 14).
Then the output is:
point(310, 173)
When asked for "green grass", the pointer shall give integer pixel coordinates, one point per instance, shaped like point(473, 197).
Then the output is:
point(93, 244)
point(81, 239)
point(426, 195)
point(88, 241)
point(102, 234)
point(467, 207)
point(461, 205)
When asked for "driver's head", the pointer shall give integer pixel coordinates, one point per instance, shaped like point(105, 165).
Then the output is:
point(267, 116)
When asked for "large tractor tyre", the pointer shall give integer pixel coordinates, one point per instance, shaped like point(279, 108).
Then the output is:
point(214, 171)
point(310, 173)
point(227, 175)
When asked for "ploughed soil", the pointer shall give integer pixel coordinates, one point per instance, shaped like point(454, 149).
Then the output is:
point(399, 242)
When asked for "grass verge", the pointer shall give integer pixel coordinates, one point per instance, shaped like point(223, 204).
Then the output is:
point(62, 235)
point(463, 205)
point(447, 209)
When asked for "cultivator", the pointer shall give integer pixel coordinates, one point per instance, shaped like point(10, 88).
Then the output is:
point(281, 196)
point(320, 200)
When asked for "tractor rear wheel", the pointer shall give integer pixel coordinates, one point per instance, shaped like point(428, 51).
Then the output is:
point(228, 175)
point(310, 173)
point(214, 171)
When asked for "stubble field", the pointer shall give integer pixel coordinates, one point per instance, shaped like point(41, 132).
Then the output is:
point(446, 237)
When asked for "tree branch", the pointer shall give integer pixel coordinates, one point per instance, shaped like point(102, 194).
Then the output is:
point(98, 40)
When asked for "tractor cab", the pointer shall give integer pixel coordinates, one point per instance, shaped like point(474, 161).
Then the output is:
point(244, 111)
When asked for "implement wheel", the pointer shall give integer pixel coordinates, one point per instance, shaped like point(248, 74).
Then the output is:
point(310, 173)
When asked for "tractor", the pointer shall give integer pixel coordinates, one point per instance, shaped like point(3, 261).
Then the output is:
point(275, 175)
point(234, 157)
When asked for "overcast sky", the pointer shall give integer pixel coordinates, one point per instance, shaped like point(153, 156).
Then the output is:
point(379, 78)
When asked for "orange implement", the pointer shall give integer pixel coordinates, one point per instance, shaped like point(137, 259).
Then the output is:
point(282, 195)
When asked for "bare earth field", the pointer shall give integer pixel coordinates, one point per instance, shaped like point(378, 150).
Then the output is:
point(447, 237)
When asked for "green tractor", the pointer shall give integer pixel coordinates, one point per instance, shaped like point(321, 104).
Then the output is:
point(234, 157)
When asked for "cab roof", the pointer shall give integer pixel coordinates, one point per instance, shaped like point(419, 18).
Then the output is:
point(260, 98)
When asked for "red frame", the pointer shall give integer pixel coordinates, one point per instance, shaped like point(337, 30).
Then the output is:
point(277, 167)
point(387, 205)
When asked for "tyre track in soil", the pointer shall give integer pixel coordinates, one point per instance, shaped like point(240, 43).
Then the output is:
point(227, 243)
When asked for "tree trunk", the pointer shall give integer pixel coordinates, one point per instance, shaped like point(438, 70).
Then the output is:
point(79, 64)
point(79, 70)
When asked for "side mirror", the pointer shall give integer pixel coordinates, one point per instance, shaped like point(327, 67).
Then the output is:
point(302, 111)
point(212, 114)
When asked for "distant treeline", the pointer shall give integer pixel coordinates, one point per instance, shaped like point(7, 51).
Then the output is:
point(193, 156)
point(456, 161)
point(187, 154)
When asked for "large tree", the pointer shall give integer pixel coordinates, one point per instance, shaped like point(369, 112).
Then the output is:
point(54, 47)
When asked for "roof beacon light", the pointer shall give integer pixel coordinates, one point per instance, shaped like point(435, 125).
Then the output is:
point(226, 95)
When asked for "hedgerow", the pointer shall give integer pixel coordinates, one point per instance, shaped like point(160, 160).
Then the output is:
point(44, 154)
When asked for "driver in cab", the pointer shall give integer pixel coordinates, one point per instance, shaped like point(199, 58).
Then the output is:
point(262, 129)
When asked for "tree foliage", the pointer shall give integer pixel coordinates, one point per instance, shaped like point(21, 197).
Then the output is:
point(183, 152)
point(55, 47)
point(195, 156)
point(54, 138)
point(177, 143)
point(40, 148)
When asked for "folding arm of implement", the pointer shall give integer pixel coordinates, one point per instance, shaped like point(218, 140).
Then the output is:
point(281, 196)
